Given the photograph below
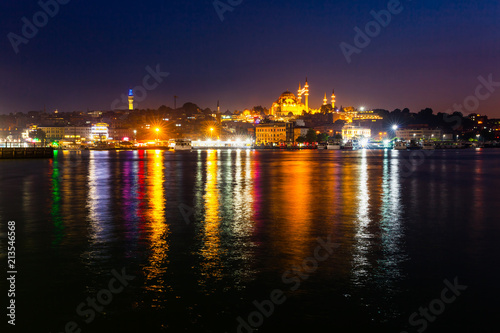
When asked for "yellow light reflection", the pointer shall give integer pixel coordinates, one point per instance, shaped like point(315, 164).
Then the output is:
point(211, 266)
point(158, 228)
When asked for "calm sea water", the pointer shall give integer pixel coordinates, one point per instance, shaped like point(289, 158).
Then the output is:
point(210, 237)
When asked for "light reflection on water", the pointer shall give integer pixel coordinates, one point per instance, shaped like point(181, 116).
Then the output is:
point(211, 264)
point(255, 215)
point(159, 232)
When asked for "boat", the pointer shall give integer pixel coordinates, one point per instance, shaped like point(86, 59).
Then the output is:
point(414, 145)
point(428, 145)
point(400, 145)
point(333, 145)
point(72, 147)
point(182, 144)
point(351, 145)
point(322, 145)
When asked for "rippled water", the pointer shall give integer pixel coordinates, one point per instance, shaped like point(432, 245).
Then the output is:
point(207, 233)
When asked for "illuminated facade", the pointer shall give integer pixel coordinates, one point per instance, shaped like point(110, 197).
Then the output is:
point(271, 133)
point(419, 134)
point(289, 104)
point(349, 132)
point(350, 115)
point(99, 132)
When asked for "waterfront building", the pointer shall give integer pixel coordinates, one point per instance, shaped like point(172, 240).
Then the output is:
point(299, 131)
point(274, 133)
point(99, 132)
point(80, 133)
point(121, 134)
point(53, 132)
point(419, 134)
point(349, 132)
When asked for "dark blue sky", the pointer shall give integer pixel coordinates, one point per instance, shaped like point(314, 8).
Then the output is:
point(430, 55)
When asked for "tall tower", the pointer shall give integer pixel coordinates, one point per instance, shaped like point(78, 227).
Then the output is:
point(325, 101)
point(333, 99)
point(299, 96)
point(130, 99)
point(306, 93)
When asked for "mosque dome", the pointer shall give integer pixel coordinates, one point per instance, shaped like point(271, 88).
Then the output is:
point(287, 95)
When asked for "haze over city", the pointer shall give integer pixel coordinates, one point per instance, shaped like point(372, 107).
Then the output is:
point(427, 54)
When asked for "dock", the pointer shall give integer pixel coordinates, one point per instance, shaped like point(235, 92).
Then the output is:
point(33, 152)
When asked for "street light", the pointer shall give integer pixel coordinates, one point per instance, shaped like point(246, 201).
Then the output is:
point(394, 127)
point(135, 135)
point(157, 133)
point(211, 132)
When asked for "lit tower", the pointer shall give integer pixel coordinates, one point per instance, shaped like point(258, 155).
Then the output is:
point(333, 99)
point(130, 99)
point(300, 94)
point(325, 101)
point(306, 93)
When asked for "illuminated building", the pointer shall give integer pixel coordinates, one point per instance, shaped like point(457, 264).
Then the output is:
point(130, 99)
point(349, 132)
point(271, 133)
point(120, 133)
point(350, 115)
point(289, 104)
point(333, 99)
point(299, 131)
point(99, 132)
point(419, 134)
point(53, 133)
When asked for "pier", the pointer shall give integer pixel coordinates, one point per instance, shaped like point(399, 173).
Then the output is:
point(33, 152)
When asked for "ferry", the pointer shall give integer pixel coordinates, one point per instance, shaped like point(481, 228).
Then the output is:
point(182, 144)
point(333, 145)
point(72, 146)
point(351, 145)
point(400, 145)
point(428, 146)
point(414, 145)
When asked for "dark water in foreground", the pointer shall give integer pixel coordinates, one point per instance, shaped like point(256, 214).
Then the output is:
point(207, 233)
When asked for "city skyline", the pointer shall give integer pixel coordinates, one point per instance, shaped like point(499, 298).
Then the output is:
point(421, 55)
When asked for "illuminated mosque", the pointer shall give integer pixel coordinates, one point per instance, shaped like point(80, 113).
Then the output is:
point(289, 105)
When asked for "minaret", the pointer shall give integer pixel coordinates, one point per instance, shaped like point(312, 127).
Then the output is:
point(306, 93)
point(130, 99)
point(333, 99)
point(325, 101)
point(300, 94)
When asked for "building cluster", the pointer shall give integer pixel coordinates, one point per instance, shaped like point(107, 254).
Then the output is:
point(290, 119)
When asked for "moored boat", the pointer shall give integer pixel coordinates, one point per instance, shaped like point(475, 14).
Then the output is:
point(182, 144)
point(333, 145)
point(400, 145)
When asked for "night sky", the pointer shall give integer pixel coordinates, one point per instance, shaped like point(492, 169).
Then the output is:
point(430, 54)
